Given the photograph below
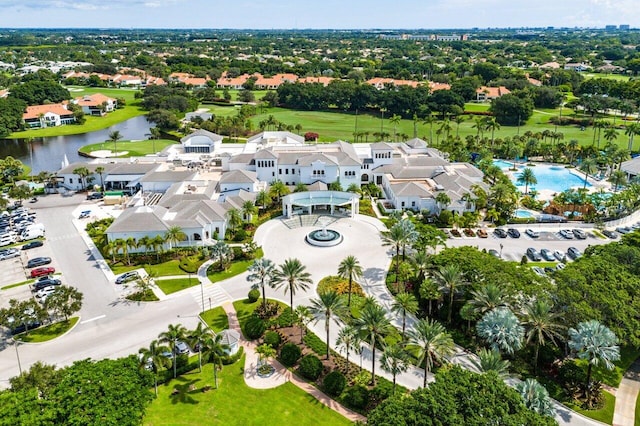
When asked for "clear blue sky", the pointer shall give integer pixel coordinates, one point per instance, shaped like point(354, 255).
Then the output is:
point(290, 14)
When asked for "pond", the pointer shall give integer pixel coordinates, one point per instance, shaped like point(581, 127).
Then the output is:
point(48, 153)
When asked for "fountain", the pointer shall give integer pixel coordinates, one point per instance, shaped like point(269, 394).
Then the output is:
point(324, 237)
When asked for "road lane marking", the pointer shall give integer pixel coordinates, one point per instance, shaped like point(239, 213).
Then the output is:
point(92, 319)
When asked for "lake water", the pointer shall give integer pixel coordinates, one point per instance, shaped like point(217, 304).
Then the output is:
point(48, 153)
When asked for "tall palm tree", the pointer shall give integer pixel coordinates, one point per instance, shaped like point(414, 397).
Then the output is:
point(82, 173)
point(372, 326)
point(213, 350)
point(131, 243)
point(145, 243)
point(526, 178)
point(158, 243)
point(541, 324)
point(403, 305)
point(536, 398)
point(330, 305)
point(153, 356)
point(596, 344)
point(278, 189)
point(260, 274)
point(291, 275)
point(443, 200)
point(111, 248)
point(303, 317)
point(631, 131)
point(263, 198)
point(348, 338)
point(394, 120)
point(491, 360)
point(350, 269)
point(432, 343)
point(114, 137)
point(234, 219)
point(100, 171)
point(196, 339)
point(394, 361)
point(588, 167)
point(174, 334)
point(248, 210)
point(501, 329)
point(394, 237)
point(618, 178)
point(174, 235)
point(449, 279)
point(487, 298)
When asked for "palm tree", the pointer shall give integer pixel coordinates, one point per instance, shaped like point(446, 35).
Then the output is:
point(541, 324)
point(278, 189)
point(131, 243)
point(263, 198)
point(432, 343)
point(610, 134)
point(213, 349)
point(372, 326)
point(429, 119)
point(158, 243)
point(100, 171)
point(631, 131)
point(536, 398)
point(291, 275)
point(459, 119)
point(394, 361)
point(114, 137)
point(248, 210)
point(222, 252)
point(154, 356)
point(443, 200)
point(234, 219)
point(596, 344)
point(121, 246)
point(174, 235)
point(325, 307)
point(487, 298)
point(501, 330)
point(348, 338)
point(526, 178)
point(260, 274)
point(394, 120)
point(404, 304)
point(350, 269)
point(82, 173)
point(111, 248)
point(171, 337)
point(303, 317)
point(196, 339)
point(449, 279)
point(394, 237)
point(589, 167)
point(618, 178)
point(491, 360)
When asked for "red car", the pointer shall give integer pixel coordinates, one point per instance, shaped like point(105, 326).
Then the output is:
point(40, 272)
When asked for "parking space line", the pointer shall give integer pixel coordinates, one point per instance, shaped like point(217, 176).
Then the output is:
point(92, 319)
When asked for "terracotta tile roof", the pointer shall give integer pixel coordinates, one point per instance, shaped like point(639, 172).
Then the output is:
point(381, 82)
point(35, 110)
point(493, 92)
point(93, 100)
point(438, 86)
point(322, 80)
point(232, 81)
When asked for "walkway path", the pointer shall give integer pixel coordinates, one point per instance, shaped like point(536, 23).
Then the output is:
point(626, 395)
point(281, 374)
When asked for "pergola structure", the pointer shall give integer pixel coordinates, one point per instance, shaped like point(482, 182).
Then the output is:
point(307, 201)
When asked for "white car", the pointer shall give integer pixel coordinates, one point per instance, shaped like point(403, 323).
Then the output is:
point(532, 233)
point(559, 255)
point(9, 254)
point(45, 292)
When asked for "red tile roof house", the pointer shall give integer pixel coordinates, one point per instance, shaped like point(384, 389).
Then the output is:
point(232, 82)
point(381, 82)
point(47, 116)
point(188, 79)
point(96, 104)
point(272, 83)
point(485, 93)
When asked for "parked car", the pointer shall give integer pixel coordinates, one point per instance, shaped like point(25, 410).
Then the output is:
point(500, 233)
point(45, 291)
point(533, 254)
point(95, 196)
point(610, 234)
point(181, 348)
point(559, 255)
point(573, 253)
point(84, 214)
point(9, 254)
point(39, 272)
point(560, 266)
point(532, 233)
point(482, 233)
point(549, 270)
point(127, 276)
point(48, 282)
point(623, 230)
point(25, 327)
point(32, 244)
point(579, 234)
point(38, 261)
point(547, 255)
point(494, 253)
point(566, 233)
point(513, 233)
point(539, 271)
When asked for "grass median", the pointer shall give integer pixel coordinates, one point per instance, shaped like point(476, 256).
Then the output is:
point(48, 332)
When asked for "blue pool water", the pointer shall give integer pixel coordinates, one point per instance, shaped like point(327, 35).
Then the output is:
point(523, 214)
point(550, 177)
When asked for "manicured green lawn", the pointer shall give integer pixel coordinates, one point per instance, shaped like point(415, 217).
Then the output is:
point(176, 284)
point(244, 309)
point(236, 267)
point(48, 332)
point(133, 148)
point(234, 403)
point(605, 414)
point(168, 268)
point(216, 318)
point(637, 419)
point(146, 296)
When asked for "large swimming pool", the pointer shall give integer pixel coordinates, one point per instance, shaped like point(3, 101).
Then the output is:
point(550, 177)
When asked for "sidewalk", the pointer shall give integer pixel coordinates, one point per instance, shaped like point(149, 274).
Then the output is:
point(281, 374)
point(626, 396)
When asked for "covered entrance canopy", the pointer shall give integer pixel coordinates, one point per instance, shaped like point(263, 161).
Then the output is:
point(306, 202)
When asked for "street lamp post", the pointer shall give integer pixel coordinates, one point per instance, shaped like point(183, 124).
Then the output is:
point(501, 246)
point(15, 343)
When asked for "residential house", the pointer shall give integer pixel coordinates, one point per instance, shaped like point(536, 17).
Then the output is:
point(485, 93)
point(321, 80)
point(40, 116)
point(96, 104)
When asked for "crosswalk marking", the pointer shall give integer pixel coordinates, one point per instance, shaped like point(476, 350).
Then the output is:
point(214, 295)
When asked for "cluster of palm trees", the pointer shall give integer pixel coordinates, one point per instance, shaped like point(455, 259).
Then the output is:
point(150, 244)
point(162, 353)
